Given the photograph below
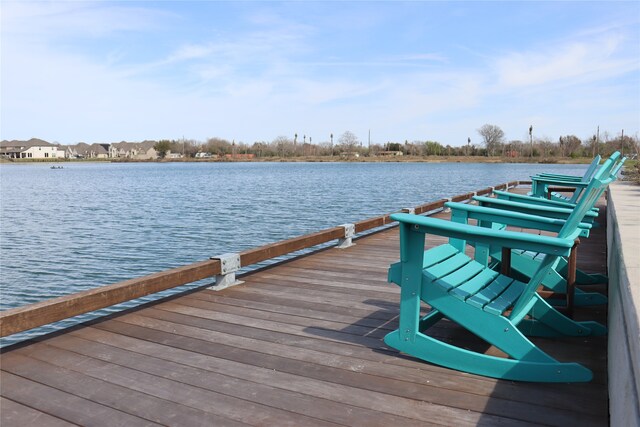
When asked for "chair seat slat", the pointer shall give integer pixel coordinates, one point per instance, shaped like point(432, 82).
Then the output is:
point(506, 299)
point(480, 281)
point(438, 254)
point(461, 275)
point(490, 292)
point(446, 267)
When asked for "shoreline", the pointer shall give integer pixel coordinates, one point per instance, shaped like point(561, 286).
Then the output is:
point(321, 159)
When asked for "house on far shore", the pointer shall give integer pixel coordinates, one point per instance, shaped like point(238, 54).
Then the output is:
point(346, 154)
point(83, 150)
point(389, 153)
point(32, 149)
point(171, 155)
point(133, 150)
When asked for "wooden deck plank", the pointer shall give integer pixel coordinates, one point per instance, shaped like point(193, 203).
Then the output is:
point(66, 406)
point(13, 413)
point(299, 343)
point(294, 360)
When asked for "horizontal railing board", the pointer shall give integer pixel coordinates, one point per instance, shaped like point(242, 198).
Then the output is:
point(273, 250)
point(42, 313)
point(45, 312)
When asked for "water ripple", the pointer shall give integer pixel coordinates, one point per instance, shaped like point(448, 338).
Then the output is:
point(95, 224)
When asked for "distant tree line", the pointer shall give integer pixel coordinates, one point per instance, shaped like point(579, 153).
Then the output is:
point(492, 142)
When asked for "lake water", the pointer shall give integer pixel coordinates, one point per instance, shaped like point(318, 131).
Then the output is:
point(92, 224)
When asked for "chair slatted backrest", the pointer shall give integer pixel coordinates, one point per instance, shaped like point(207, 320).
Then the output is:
point(592, 169)
point(600, 181)
point(586, 178)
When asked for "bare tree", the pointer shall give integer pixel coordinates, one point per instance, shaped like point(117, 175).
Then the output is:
point(348, 142)
point(545, 144)
point(570, 145)
point(218, 146)
point(492, 137)
point(284, 146)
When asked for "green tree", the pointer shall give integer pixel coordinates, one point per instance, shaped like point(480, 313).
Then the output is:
point(162, 147)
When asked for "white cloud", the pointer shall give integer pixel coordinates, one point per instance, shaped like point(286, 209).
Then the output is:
point(572, 63)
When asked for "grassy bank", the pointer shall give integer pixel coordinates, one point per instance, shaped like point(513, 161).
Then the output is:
point(389, 159)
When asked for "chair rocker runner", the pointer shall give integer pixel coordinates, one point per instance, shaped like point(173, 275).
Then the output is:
point(497, 308)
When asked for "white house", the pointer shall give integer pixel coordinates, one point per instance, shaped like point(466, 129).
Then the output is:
point(32, 149)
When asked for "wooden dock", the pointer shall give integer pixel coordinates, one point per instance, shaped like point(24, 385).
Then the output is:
point(298, 344)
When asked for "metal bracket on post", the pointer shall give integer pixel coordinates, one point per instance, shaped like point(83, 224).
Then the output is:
point(446, 209)
point(229, 264)
point(411, 211)
point(347, 240)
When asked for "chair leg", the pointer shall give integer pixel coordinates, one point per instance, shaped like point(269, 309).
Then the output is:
point(547, 321)
point(571, 277)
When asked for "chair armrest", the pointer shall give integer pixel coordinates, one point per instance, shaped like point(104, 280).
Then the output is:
point(524, 198)
point(563, 177)
point(516, 219)
point(515, 197)
point(548, 211)
point(559, 182)
point(487, 236)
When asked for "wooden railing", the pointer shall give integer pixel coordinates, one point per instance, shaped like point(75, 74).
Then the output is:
point(42, 313)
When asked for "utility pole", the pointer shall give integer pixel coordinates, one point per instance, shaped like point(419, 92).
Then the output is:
point(531, 140)
point(622, 144)
point(468, 144)
point(597, 140)
point(331, 136)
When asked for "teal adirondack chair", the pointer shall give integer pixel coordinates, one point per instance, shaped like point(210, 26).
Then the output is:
point(505, 195)
point(525, 263)
point(497, 308)
point(585, 177)
point(540, 184)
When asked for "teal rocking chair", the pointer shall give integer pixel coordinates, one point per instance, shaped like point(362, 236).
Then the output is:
point(585, 177)
point(495, 307)
point(540, 184)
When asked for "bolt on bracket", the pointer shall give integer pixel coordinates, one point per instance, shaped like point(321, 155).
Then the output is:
point(447, 209)
point(347, 240)
point(229, 264)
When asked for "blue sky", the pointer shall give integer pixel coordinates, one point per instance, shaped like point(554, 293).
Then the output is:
point(252, 71)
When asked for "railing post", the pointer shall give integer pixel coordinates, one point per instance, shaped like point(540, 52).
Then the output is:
point(446, 209)
point(229, 264)
point(411, 211)
point(347, 240)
